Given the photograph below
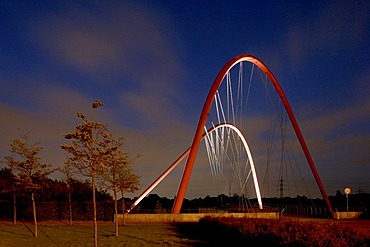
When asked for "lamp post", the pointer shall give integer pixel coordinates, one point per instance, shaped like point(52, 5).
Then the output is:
point(347, 191)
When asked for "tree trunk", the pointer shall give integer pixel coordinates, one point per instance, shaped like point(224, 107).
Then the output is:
point(115, 211)
point(14, 208)
point(70, 203)
point(34, 212)
point(123, 208)
point(94, 203)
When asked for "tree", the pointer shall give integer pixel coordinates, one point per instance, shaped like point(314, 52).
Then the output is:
point(128, 182)
point(29, 170)
point(89, 149)
point(116, 174)
point(67, 171)
point(7, 183)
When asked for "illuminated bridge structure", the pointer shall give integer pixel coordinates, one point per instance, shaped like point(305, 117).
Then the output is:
point(225, 128)
point(222, 129)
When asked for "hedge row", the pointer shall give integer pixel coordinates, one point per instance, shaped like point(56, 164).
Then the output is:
point(58, 211)
point(229, 231)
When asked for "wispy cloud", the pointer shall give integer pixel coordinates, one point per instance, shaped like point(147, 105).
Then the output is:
point(51, 116)
point(338, 142)
point(123, 50)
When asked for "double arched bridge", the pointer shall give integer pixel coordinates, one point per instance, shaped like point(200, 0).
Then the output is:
point(225, 127)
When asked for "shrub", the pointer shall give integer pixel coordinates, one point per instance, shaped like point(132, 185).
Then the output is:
point(229, 230)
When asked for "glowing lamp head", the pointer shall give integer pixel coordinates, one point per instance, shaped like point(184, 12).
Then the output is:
point(347, 191)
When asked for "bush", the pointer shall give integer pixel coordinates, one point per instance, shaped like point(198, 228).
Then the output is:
point(229, 230)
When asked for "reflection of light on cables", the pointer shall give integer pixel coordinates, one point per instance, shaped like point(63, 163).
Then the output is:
point(218, 157)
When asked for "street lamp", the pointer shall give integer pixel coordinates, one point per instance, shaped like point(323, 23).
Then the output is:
point(347, 191)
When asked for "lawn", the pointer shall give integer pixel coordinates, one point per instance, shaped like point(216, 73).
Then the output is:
point(151, 234)
point(81, 234)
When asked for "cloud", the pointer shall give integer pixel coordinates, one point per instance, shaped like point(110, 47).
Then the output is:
point(119, 37)
point(124, 55)
point(44, 130)
point(124, 49)
point(338, 142)
point(53, 114)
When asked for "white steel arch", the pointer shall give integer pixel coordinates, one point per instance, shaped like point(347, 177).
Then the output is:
point(170, 168)
point(249, 155)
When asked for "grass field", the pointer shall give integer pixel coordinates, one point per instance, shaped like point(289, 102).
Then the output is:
point(81, 234)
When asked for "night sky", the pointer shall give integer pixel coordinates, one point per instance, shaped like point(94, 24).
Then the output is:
point(152, 64)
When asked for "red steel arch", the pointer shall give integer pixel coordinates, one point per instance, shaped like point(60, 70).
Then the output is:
point(203, 119)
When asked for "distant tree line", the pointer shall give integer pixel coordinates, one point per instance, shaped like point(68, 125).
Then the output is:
point(223, 203)
point(52, 200)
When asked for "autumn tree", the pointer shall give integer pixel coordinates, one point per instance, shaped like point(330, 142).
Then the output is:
point(28, 168)
point(116, 175)
point(89, 149)
point(128, 182)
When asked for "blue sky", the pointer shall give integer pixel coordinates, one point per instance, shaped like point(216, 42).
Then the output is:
point(152, 63)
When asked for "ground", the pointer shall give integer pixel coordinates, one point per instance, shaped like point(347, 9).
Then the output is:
point(81, 234)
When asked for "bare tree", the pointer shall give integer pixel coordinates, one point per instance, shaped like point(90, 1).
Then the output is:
point(30, 171)
point(88, 149)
